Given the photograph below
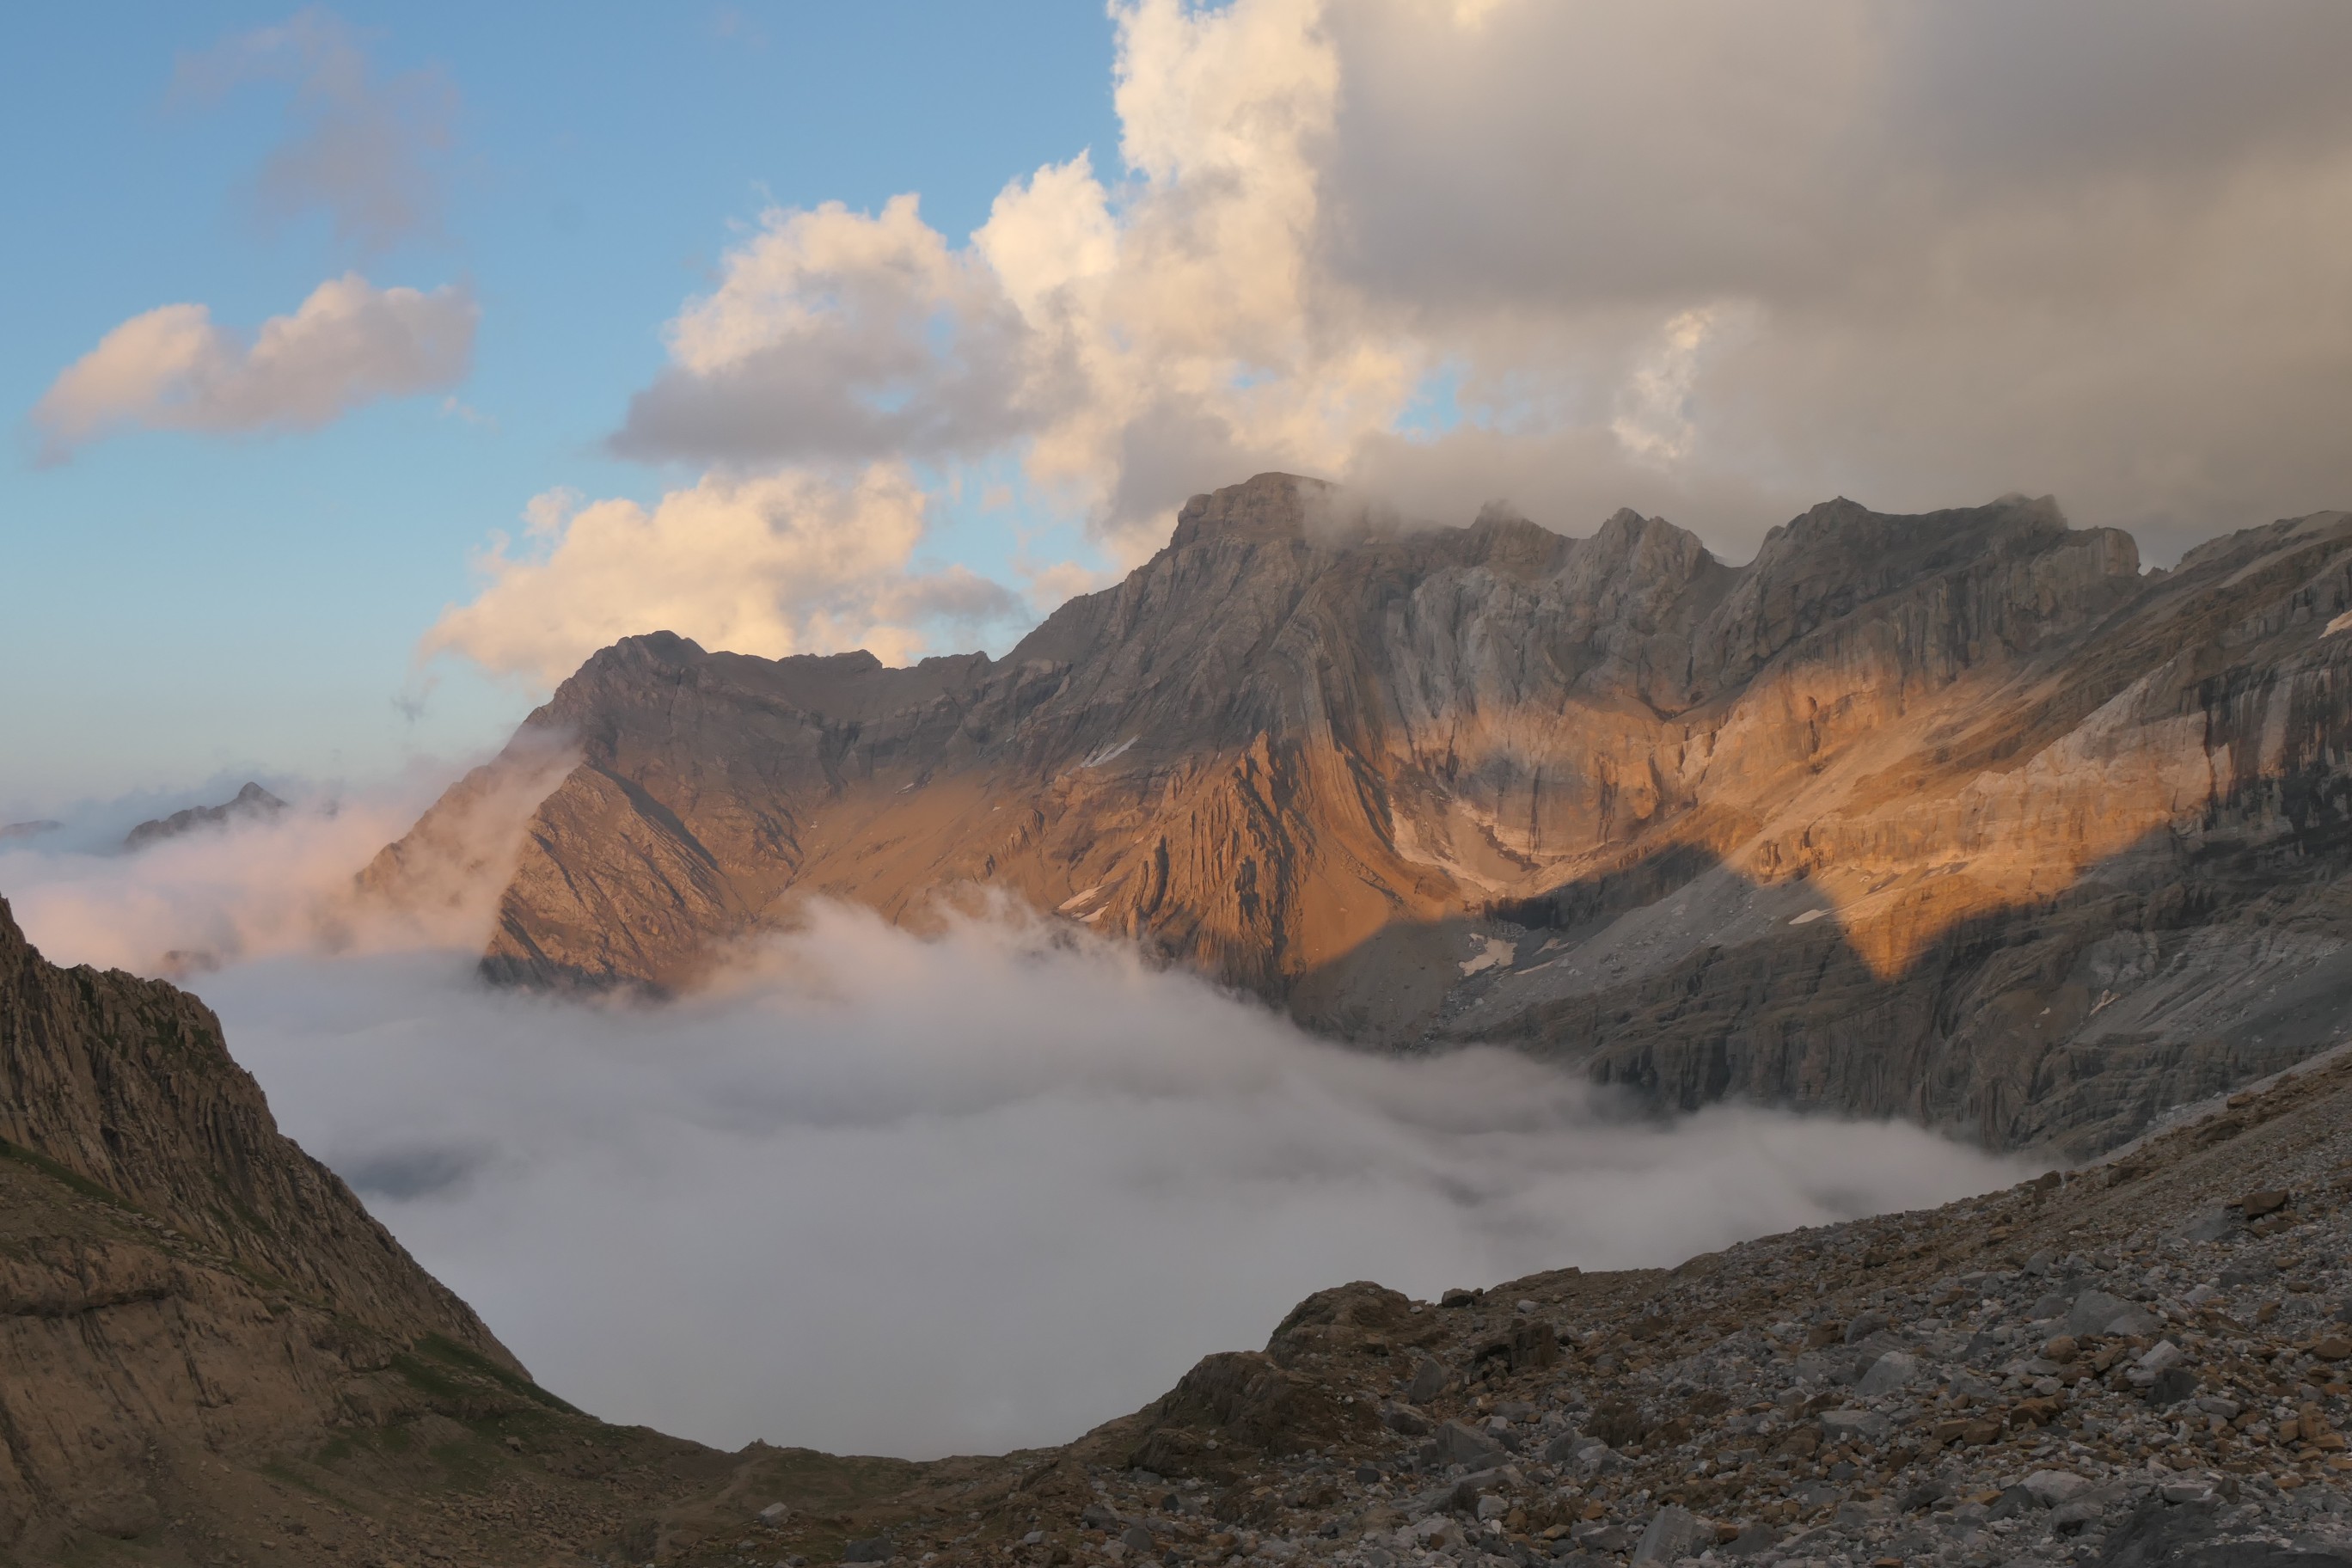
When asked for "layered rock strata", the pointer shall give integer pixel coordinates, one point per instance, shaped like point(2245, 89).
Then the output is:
point(1961, 815)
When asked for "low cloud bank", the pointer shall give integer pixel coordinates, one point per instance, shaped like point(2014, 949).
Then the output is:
point(887, 1193)
point(246, 889)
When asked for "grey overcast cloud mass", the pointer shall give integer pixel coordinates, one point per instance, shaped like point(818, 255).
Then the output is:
point(1711, 260)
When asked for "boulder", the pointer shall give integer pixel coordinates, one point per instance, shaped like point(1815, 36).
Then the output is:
point(2097, 1313)
point(2050, 1488)
point(2072, 1516)
point(1241, 1399)
point(1865, 1324)
point(1887, 1373)
point(1837, 1426)
point(1455, 1444)
point(1673, 1534)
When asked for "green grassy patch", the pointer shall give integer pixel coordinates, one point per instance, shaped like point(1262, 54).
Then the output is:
point(433, 1380)
point(77, 1182)
point(450, 1354)
point(470, 1464)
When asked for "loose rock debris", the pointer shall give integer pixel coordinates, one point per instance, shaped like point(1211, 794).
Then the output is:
point(2140, 1362)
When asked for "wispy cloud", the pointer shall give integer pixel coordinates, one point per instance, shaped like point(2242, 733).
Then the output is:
point(363, 150)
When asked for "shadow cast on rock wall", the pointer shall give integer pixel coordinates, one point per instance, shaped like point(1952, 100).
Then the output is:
point(2199, 957)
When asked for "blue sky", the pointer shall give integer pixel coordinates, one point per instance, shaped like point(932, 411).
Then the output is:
point(178, 604)
point(1711, 260)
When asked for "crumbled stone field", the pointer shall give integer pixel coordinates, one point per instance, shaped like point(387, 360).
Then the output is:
point(2143, 1362)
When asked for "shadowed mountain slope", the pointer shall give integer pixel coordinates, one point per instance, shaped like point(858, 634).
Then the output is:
point(177, 1279)
point(1382, 777)
point(210, 1353)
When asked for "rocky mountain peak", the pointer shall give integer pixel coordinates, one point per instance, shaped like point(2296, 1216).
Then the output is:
point(1266, 506)
point(250, 804)
point(1606, 798)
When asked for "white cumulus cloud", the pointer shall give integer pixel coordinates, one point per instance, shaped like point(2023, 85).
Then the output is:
point(770, 563)
point(1136, 342)
point(173, 368)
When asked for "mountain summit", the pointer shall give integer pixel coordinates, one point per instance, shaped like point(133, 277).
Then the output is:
point(1958, 815)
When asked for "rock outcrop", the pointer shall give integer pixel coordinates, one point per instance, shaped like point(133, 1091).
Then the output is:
point(1961, 815)
point(178, 1283)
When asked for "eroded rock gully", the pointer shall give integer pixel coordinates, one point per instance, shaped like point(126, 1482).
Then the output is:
point(1960, 816)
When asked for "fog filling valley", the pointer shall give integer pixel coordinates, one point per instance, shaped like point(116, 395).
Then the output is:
point(875, 1192)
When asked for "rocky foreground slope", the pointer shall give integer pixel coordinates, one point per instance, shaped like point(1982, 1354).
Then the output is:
point(2135, 1363)
point(204, 1339)
point(1958, 816)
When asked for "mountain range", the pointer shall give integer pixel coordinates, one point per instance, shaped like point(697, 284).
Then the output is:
point(1963, 817)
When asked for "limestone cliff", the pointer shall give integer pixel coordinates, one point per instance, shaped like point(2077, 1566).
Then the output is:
point(1946, 815)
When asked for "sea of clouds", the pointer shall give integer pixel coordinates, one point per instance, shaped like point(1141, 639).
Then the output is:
point(875, 1192)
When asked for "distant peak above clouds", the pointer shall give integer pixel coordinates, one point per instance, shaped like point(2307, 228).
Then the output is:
point(251, 804)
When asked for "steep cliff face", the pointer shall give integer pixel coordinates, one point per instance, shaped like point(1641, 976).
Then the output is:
point(178, 1282)
point(2112, 881)
point(1414, 786)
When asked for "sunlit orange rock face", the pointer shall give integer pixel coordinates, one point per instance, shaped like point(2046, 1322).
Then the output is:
point(1960, 815)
